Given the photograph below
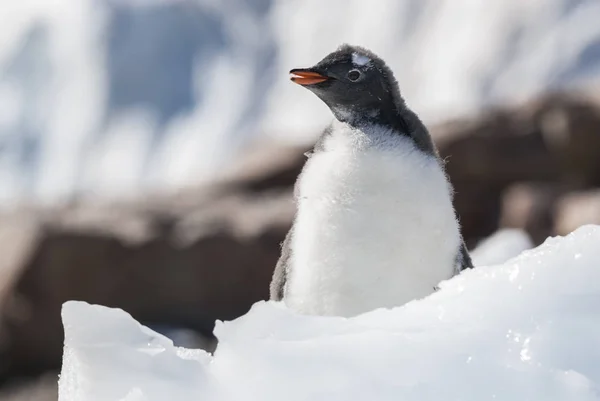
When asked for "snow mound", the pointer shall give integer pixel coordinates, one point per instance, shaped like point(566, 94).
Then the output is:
point(526, 329)
point(109, 356)
point(501, 246)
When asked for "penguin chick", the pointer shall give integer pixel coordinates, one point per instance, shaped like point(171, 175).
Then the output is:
point(375, 226)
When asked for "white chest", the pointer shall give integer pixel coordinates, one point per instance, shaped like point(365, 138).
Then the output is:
point(375, 226)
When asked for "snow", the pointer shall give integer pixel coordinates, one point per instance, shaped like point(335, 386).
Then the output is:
point(527, 329)
point(195, 80)
point(109, 356)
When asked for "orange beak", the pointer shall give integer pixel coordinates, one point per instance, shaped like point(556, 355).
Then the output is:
point(303, 77)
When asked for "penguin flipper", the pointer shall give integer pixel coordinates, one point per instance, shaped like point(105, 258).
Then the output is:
point(277, 287)
point(463, 259)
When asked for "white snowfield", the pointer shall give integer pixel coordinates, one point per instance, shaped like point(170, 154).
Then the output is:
point(528, 329)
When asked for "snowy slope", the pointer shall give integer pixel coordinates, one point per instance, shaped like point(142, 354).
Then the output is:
point(524, 330)
point(113, 97)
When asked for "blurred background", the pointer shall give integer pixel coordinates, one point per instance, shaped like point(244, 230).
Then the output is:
point(148, 148)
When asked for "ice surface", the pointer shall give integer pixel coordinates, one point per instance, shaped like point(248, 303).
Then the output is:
point(524, 330)
point(109, 356)
point(117, 97)
point(501, 246)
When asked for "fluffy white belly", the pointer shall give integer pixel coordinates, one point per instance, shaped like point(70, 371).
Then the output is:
point(375, 226)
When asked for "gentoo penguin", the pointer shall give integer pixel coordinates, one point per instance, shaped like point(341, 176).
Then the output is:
point(375, 226)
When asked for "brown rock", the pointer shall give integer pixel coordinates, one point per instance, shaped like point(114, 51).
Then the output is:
point(43, 388)
point(170, 267)
point(576, 209)
point(530, 206)
point(552, 140)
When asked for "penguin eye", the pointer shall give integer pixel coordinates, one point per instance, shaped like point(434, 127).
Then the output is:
point(353, 75)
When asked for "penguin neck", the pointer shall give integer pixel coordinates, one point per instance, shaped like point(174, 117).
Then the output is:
point(392, 117)
point(398, 117)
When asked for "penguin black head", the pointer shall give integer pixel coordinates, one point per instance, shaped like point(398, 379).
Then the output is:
point(355, 84)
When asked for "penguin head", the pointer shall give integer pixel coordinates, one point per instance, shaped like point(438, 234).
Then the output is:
point(353, 82)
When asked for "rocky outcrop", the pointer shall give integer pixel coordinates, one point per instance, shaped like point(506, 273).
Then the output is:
point(576, 209)
point(183, 260)
point(552, 143)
